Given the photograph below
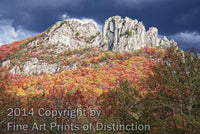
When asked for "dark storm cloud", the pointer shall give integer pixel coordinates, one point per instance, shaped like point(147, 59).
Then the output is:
point(176, 19)
point(170, 16)
point(36, 15)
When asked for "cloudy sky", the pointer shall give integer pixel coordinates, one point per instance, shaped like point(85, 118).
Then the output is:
point(177, 19)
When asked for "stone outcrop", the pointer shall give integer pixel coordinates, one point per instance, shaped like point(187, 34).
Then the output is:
point(73, 34)
point(33, 66)
point(127, 34)
point(118, 34)
point(123, 34)
point(36, 67)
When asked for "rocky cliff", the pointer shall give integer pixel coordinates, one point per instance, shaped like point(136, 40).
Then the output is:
point(118, 34)
point(127, 34)
point(73, 34)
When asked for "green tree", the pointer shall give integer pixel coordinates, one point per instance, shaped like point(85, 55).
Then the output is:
point(173, 102)
point(122, 105)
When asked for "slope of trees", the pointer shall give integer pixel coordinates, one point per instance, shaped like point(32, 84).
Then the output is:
point(174, 93)
point(150, 86)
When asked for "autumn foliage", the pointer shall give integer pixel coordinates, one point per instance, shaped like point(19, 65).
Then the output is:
point(125, 86)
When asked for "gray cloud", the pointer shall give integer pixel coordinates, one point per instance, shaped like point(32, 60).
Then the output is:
point(188, 16)
point(65, 16)
point(187, 39)
point(29, 4)
point(9, 34)
point(140, 3)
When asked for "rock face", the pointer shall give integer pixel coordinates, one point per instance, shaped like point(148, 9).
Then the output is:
point(33, 66)
point(72, 33)
point(118, 35)
point(127, 34)
point(36, 67)
point(123, 34)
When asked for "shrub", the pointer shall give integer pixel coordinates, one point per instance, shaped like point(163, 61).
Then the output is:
point(78, 33)
point(113, 19)
point(129, 32)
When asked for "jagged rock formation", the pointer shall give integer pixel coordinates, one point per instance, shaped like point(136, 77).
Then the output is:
point(72, 34)
point(118, 34)
point(127, 34)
